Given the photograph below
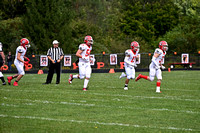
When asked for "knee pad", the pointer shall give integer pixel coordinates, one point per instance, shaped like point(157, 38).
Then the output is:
point(151, 78)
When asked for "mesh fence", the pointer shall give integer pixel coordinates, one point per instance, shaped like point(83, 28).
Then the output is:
point(145, 60)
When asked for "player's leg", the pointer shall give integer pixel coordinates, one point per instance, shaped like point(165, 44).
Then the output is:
point(122, 75)
point(159, 77)
point(1, 75)
point(17, 64)
point(88, 72)
point(21, 73)
point(128, 77)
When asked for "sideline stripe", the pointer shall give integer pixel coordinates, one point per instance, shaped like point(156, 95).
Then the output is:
point(96, 122)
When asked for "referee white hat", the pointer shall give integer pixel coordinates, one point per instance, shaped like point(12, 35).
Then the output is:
point(55, 42)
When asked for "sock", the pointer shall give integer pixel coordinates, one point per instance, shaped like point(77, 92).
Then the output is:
point(2, 79)
point(85, 83)
point(76, 76)
point(158, 87)
point(143, 76)
point(126, 85)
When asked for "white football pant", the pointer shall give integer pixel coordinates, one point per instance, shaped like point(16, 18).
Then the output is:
point(20, 67)
point(130, 72)
point(84, 70)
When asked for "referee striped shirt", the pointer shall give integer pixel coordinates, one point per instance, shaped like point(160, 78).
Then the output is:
point(55, 53)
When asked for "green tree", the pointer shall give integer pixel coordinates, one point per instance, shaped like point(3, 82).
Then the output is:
point(47, 20)
point(149, 19)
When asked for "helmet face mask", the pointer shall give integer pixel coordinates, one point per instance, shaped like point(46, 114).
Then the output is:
point(163, 45)
point(135, 46)
point(88, 40)
point(25, 43)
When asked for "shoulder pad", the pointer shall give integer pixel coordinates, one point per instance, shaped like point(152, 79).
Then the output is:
point(158, 51)
point(82, 47)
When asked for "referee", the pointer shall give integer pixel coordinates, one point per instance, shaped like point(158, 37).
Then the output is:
point(55, 55)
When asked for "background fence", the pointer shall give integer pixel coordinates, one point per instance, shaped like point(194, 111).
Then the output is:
point(145, 60)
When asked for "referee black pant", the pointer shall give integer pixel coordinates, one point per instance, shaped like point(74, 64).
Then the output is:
point(52, 68)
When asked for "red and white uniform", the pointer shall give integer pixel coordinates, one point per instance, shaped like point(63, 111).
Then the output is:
point(84, 65)
point(154, 71)
point(130, 62)
point(20, 65)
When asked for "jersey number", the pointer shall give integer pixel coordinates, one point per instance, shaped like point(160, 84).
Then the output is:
point(87, 52)
point(133, 59)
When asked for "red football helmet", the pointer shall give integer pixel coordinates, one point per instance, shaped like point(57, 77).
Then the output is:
point(163, 45)
point(24, 42)
point(135, 46)
point(88, 40)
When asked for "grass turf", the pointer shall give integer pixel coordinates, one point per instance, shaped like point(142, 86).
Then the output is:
point(105, 107)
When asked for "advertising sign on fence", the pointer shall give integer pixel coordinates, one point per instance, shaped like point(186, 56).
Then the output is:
point(43, 60)
point(67, 60)
point(113, 59)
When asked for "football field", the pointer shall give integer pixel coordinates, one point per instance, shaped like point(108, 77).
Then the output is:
point(105, 107)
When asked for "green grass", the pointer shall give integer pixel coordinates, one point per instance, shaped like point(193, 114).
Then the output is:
point(105, 107)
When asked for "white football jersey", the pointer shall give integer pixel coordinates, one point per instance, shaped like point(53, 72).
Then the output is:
point(86, 52)
point(1, 47)
point(161, 56)
point(132, 56)
point(21, 50)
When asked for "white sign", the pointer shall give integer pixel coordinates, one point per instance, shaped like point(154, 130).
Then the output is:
point(113, 59)
point(43, 60)
point(67, 60)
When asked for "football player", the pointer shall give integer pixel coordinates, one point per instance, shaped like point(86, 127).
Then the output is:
point(19, 61)
point(84, 62)
point(156, 65)
point(131, 55)
point(2, 61)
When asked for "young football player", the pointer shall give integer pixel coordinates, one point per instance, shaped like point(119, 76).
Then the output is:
point(2, 61)
point(84, 62)
point(131, 55)
point(19, 61)
point(156, 65)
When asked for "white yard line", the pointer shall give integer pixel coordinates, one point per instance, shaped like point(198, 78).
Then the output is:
point(115, 95)
point(96, 122)
point(95, 105)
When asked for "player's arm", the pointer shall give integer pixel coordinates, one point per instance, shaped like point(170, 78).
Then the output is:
point(137, 58)
point(3, 56)
point(78, 53)
point(19, 58)
point(156, 55)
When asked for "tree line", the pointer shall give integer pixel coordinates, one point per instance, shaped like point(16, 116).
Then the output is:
point(113, 24)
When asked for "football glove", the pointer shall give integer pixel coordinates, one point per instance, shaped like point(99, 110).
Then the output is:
point(25, 62)
point(162, 67)
point(27, 59)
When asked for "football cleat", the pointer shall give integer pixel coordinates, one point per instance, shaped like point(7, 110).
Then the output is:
point(138, 77)
point(84, 89)
point(125, 88)
point(158, 91)
point(15, 84)
point(70, 78)
point(4, 83)
point(9, 79)
point(122, 75)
